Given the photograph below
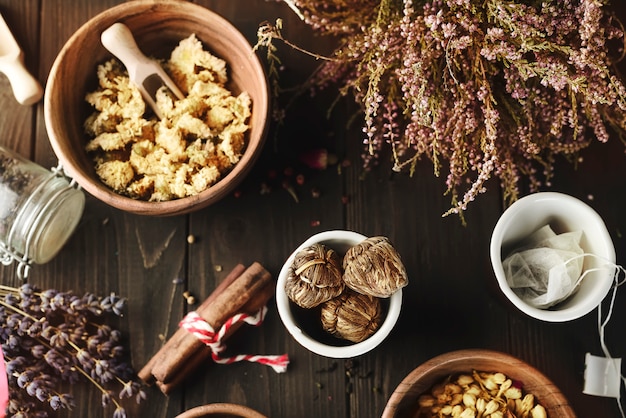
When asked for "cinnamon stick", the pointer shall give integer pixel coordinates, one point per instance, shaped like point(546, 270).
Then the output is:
point(225, 305)
point(201, 355)
point(145, 373)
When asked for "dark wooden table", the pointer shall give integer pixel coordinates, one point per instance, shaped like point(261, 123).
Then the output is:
point(452, 301)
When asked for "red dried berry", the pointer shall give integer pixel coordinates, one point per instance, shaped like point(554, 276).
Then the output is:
point(318, 158)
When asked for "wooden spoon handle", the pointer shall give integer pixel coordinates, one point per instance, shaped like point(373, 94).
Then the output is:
point(146, 73)
point(119, 40)
point(26, 88)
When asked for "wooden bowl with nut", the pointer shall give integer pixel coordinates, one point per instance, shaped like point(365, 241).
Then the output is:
point(179, 157)
point(327, 306)
point(490, 383)
point(223, 410)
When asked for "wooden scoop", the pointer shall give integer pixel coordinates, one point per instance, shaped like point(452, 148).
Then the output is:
point(26, 88)
point(146, 73)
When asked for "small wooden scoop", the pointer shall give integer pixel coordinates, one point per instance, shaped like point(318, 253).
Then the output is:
point(26, 88)
point(146, 73)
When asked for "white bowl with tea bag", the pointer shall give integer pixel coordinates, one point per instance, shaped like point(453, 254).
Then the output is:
point(552, 256)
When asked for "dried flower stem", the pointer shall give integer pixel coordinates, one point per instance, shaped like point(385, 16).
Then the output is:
point(267, 33)
point(98, 386)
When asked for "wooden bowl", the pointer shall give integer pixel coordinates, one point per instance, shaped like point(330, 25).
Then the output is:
point(403, 401)
point(158, 26)
point(221, 410)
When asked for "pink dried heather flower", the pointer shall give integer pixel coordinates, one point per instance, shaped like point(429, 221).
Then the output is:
point(591, 14)
point(390, 124)
point(491, 88)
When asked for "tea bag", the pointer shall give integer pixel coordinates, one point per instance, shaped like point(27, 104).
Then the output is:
point(546, 269)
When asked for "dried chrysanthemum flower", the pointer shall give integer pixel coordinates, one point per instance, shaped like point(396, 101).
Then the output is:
point(373, 267)
point(315, 276)
point(352, 316)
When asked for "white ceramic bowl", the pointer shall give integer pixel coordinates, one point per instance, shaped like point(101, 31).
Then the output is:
point(301, 323)
point(563, 213)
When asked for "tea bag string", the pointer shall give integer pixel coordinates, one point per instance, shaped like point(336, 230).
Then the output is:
point(603, 323)
point(617, 269)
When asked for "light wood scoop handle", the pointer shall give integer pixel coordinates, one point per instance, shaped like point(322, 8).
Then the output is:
point(26, 88)
point(119, 40)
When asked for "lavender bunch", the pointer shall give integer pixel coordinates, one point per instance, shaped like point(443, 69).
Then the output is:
point(50, 337)
point(482, 88)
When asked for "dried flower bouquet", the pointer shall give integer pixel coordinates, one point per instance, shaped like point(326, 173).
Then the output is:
point(49, 337)
point(482, 88)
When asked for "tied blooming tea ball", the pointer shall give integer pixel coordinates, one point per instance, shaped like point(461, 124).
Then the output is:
point(314, 277)
point(352, 316)
point(373, 267)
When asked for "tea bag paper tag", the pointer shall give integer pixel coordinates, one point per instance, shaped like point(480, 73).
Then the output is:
point(602, 376)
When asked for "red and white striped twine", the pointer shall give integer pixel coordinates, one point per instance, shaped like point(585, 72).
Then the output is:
point(202, 330)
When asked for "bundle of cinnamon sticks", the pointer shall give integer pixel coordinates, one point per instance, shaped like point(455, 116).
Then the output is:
point(242, 291)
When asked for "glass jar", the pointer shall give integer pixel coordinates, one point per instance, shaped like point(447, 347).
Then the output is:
point(39, 210)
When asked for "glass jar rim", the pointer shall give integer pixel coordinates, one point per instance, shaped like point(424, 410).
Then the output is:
point(44, 223)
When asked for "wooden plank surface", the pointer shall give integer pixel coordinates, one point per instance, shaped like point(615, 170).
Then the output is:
point(452, 301)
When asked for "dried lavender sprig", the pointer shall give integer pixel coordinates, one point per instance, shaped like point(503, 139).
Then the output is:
point(51, 336)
